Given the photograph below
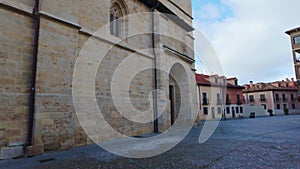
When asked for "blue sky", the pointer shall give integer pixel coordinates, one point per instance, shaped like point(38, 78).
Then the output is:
point(215, 10)
point(248, 37)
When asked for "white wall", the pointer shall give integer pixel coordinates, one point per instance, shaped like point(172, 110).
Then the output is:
point(258, 110)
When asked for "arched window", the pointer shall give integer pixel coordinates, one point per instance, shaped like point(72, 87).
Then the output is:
point(117, 22)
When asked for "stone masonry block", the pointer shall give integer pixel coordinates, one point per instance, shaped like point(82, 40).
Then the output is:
point(11, 152)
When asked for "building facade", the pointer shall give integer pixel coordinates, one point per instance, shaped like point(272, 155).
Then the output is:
point(234, 100)
point(41, 44)
point(295, 43)
point(219, 97)
point(210, 91)
point(275, 96)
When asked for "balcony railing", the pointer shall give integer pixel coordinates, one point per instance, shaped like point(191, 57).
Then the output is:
point(205, 101)
point(263, 100)
point(277, 99)
point(240, 102)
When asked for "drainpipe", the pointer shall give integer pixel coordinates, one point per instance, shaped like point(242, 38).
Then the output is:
point(33, 74)
point(155, 5)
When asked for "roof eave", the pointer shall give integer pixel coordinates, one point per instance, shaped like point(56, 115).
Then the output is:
point(171, 15)
point(289, 32)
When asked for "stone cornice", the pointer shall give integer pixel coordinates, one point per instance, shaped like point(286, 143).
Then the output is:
point(181, 55)
point(169, 13)
point(58, 19)
point(17, 6)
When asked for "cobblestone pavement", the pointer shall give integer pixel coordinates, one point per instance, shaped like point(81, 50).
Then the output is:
point(269, 142)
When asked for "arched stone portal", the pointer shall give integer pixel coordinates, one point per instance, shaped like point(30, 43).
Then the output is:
point(178, 91)
point(174, 99)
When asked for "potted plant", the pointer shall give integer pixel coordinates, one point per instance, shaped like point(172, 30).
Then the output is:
point(286, 111)
point(270, 112)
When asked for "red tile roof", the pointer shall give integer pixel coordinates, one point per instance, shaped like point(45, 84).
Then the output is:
point(201, 79)
point(279, 86)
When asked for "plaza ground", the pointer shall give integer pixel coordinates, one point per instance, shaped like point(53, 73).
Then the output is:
point(268, 142)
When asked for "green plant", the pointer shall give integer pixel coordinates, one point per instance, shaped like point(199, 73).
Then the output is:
point(271, 112)
point(286, 111)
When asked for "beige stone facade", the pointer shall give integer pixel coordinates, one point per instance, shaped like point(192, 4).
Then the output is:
point(211, 96)
point(219, 97)
point(56, 32)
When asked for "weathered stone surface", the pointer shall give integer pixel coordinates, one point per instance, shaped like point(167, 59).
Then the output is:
point(64, 9)
point(56, 126)
point(16, 41)
point(11, 152)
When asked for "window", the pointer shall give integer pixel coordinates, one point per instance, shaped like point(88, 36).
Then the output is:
point(213, 110)
point(204, 99)
point(232, 109)
point(285, 106)
point(216, 80)
point(283, 97)
point(241, 110)
point(238, 100)
point(219, 110)
point(251, 98)
point(117, 23)
point(297, 40)
point(237, 110)
point(277, 97)
point(293, 106)
point(227, 110)
point(278, 106)
point(218, 99)
point(227, 99)
point(297, 56)
point(292, 97)
point(205, 111)
point(236, 82)
point(262, 98)
point(265, 106)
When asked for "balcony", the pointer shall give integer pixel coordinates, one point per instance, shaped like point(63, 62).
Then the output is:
point(240, 102)
point(277, 99)
point(205, 101)
point(263, 100)
point(252, 100)
point(284, 99)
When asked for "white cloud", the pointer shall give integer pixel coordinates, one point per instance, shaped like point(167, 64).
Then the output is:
point(252, 44)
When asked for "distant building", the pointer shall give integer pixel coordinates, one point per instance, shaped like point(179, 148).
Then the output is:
point(211, 98)
point(295, 41)
point(275, 96)
point(219, 97)
point(234, 99)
